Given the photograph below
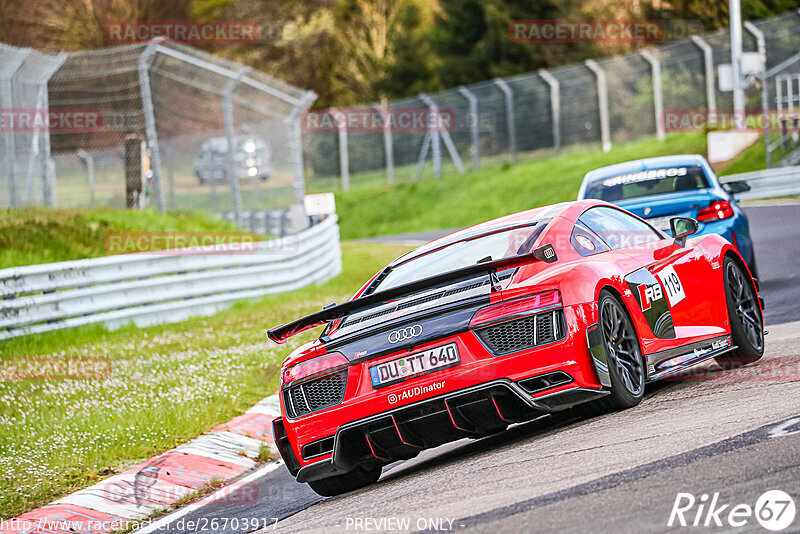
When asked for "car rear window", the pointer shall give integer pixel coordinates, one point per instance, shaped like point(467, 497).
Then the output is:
point(648, 182)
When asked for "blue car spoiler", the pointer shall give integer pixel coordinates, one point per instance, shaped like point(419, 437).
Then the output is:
point(280, 333)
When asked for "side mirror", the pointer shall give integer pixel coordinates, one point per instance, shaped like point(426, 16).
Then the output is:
point(681, 228)
point(734, 188)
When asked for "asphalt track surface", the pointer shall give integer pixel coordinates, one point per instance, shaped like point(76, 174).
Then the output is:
point(732, 434)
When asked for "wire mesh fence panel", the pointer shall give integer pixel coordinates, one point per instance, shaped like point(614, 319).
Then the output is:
point(580, 112)
point(533, 117)
point(631, 110)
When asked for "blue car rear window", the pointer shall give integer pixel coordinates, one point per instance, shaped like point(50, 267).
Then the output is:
point(647, 182)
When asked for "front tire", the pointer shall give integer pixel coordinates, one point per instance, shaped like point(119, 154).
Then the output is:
point(336, 485)
point(744, 314)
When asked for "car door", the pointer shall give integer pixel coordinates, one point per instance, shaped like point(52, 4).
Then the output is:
point(668, 284)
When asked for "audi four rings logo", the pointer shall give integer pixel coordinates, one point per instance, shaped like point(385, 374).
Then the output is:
point(405, 333)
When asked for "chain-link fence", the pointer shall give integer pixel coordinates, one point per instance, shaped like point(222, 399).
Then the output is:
point(213, 135)
point(609, 101)
point(151, 124)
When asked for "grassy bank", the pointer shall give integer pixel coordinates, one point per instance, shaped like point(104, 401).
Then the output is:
point(168, 384)
point(460, 200)
point(38, 235)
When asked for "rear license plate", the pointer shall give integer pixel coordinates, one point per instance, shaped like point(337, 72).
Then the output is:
point(420, 363)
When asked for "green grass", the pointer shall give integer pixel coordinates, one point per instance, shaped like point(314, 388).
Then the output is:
point(460, 200)
point(39, 235)
point(168, 384)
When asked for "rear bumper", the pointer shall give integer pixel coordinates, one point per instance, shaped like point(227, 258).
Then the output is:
point(403, 432)
point(516, 380)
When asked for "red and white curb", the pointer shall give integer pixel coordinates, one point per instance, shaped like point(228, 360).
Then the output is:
point(224, 453)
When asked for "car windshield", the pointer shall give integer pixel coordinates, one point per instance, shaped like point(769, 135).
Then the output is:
point(488, 247)
point(648, 182)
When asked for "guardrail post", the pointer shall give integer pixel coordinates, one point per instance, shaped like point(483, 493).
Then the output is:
point(388, 146)
point(761, 45)
point(230, 135)
point(708, 63)
point(150, 120)
point(555, 107)
point(658, 99)
point(510, 127)
point(88, 161)
point(473, 126)
point(602, 102)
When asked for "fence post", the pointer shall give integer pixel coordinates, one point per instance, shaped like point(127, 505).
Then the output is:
point(708, 63)
point(230, 135)
point(344, 153)
point(150, 120)
point(7, 72)
point(474, 126)
point(511, 128)
point(658, 98)
point(433, 134)
point(388, 147)
point(439, 129)
point(88, 161)
point(602, 102)
point(762, 51)
point(555, 107)
point(296, 144)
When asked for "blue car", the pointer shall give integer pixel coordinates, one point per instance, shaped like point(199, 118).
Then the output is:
point(657, 189)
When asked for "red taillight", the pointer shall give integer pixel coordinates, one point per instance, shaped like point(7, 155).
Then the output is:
point(314, 366)
point(517, 307)
point(717, 210)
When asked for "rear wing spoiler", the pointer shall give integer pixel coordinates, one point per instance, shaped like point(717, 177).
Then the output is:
point(280, 333)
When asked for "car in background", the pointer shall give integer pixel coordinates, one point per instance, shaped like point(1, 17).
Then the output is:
point(660, 188)
point(253, 159)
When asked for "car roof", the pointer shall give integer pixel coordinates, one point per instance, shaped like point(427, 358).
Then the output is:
point(646, 164)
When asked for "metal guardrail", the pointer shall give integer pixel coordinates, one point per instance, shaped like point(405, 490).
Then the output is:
point(777, 182)
point(150, 288)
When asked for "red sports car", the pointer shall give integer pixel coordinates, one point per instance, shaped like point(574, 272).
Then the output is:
point(536, 312)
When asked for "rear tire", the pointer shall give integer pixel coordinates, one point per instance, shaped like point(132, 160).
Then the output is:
point(626, 365)
point(336, 485)
point(744, 314)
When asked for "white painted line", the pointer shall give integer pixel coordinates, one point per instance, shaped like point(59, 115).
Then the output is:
point(779, 431)
point(166, 520)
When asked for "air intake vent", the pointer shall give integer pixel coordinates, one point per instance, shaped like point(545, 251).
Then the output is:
point(520, 334)
point(316, 394)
